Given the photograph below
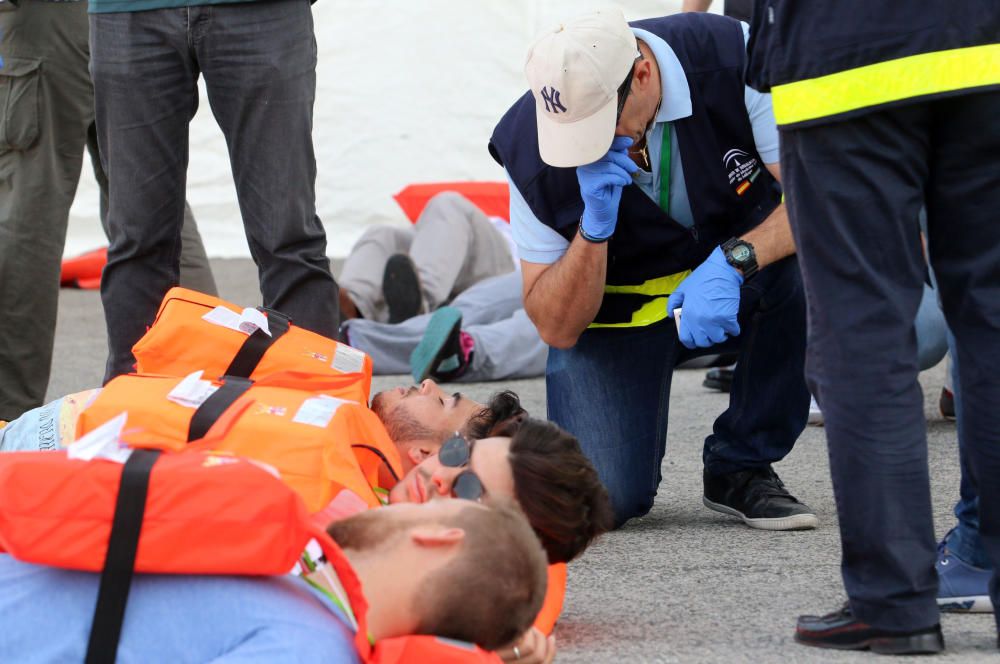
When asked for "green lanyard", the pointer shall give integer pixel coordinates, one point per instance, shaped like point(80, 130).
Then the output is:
point(665, 170)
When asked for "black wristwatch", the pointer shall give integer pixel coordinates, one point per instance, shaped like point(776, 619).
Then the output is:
point(740, 254)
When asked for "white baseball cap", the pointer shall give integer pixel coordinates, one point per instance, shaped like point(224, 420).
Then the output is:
point(574, 71)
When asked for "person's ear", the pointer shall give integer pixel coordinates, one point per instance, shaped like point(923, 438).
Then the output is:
point(643, 75)
point(418, 451)
point(437, 536)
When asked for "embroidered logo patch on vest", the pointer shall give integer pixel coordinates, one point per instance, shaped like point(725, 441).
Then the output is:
point(552, 103)
point(742, 169)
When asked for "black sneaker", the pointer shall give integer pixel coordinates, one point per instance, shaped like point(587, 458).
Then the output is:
point(719, 378)
point(401, 288)
point(842, 631)
point(759, 498)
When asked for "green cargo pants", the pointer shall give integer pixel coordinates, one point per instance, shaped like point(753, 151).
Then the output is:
point(46, 121)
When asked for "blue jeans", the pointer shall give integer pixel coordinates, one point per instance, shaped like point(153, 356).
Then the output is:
point(964, 541)
point(612, 391)
point(259, 64)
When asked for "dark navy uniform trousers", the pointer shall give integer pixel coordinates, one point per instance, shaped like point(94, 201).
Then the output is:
point(854, 189)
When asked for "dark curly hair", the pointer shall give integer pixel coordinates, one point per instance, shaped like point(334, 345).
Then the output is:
point(501, 413)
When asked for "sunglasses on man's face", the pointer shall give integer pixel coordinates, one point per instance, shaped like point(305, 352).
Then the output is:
point(456, 453)
point(623, 91)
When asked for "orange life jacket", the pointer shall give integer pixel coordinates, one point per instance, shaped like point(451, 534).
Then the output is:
point(190, 513)
point(204, 514)
point(320, 442)
point(555, 594)
point(183, 339)
point(429, 650)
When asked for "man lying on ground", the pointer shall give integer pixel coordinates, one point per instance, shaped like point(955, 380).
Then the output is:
point(396, 282)
point(534, 462)
point(417, 418)
point(421, 568)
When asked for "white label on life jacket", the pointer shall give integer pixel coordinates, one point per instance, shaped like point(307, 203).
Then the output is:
point(248, 322)
point(318, 411)
point(192, 391)
point(252, 320)
point(347, 359)
point(104, 442)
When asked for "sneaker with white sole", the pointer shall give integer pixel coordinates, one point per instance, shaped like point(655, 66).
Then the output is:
point(759, 498)
point(962, 588)
point(815, 414)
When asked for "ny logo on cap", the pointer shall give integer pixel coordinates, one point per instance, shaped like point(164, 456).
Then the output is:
point(551, 99)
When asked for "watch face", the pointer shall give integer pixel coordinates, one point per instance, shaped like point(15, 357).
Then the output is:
point(740, 253)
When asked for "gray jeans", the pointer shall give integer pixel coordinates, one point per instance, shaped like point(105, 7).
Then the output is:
point(259, 64)
point(507, 344)
point(453, 246)
point(46, 120)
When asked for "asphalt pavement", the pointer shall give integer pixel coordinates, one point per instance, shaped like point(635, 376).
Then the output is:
point(683, 584)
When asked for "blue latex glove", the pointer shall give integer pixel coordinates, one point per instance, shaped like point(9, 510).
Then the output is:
point(601, 188)
point(710, 297)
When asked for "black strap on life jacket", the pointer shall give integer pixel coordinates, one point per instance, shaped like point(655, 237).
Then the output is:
point(381, 455)
point(258, 343)
point(213, 407)
point(119, 562)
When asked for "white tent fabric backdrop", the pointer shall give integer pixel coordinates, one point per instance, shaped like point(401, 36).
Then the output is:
point(407, 92)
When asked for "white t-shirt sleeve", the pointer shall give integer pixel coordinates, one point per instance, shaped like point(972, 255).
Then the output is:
point(765, 130)
point(536, 242)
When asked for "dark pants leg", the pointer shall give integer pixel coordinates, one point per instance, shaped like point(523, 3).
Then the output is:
point(259, 62)
point(46, 105)
point(612, 391)
point(195, 268)
point(768, 402)
point(963, 220)
point(854, 190)
point(145, 88)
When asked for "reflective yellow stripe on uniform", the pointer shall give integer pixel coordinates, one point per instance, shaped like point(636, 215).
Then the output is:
point(653, 311)
point(885, 82)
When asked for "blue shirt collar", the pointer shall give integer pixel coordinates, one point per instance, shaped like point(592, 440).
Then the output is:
point(676, 102)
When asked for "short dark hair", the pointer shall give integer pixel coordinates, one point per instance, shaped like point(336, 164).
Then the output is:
point(492, 591)
point(502, 412)
point(557, 488)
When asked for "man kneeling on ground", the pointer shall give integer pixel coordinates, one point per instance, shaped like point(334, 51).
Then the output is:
point(421, 567)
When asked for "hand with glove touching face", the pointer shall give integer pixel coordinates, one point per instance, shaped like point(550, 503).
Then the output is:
point(711, 299)
point(601, 189)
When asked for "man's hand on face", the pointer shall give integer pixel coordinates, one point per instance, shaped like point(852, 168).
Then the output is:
point(601, 188)
point(710, 297)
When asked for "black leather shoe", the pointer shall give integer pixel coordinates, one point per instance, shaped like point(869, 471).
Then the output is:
point(759, 498)
point(719, 378)
point(842, 631)
point(946, 403)
point(401, 288)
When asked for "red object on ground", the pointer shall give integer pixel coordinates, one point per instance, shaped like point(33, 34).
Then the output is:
point(84, 271)
point(493, 198)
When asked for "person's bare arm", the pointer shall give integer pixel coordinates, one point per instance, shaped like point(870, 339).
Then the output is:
point(562, 299)
point(772, 239)
point(696, 5)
